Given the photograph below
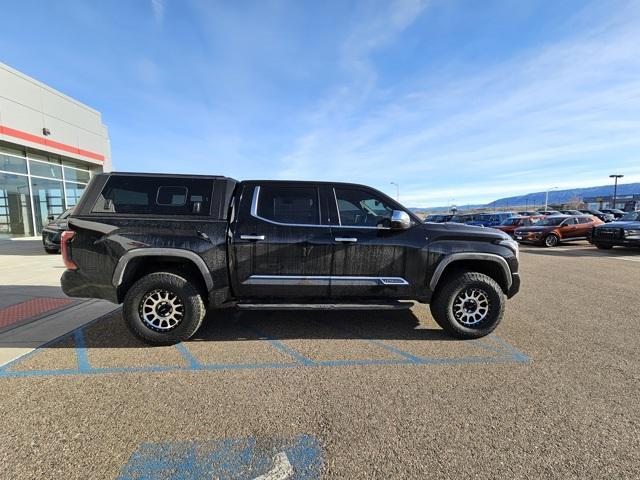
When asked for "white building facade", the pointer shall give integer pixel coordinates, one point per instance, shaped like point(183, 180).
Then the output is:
point(50, 146)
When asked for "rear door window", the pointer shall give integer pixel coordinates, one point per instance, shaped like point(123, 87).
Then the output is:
point(291, 205)
point(155, 196)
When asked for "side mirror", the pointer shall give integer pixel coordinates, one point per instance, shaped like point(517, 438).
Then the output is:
point(400, 220)
point(196, 207)
point(51, 218)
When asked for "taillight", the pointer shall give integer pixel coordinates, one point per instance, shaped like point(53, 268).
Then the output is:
point(67, 235)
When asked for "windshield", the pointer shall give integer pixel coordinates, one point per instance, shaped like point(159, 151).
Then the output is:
point(511, 221)
point(550, 221)
point(630, 217)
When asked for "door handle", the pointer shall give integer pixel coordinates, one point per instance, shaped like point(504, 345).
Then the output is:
point(252, 237)
point(346, 239)
point(204, 236)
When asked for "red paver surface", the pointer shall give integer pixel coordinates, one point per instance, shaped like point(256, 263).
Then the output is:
point(31, 308)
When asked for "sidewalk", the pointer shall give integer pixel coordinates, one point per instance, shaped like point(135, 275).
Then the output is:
point(33, 308)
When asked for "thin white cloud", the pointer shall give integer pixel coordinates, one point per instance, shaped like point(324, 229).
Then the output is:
point(569, 108)
point(158, 9)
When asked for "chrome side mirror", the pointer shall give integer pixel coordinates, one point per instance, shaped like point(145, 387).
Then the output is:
point(400, 220)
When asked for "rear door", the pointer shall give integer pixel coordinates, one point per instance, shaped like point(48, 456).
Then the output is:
point(369, 260)
point(281, 242)
point(585, 224)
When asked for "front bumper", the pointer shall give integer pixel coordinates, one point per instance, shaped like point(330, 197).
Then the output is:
point(51, 238)
point(75, 284)
point(619, 242)
point(515, 285)
point(529, 237)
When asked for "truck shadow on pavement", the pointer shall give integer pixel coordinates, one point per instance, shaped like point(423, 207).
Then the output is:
point(229, 340)
point(230, 325)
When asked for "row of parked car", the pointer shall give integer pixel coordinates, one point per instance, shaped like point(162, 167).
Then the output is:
point(603, 228)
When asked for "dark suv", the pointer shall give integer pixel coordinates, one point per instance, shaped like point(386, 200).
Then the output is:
point(624, 232)
point(170, 246)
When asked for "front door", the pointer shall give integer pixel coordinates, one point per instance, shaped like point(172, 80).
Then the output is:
point(370, 260)
point(281, 242)
point(570, 229)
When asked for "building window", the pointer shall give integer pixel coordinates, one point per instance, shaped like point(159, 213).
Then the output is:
point(14, 164)
point(73, 193)
point(45, 169)
point(15, 206)
point(75, 175)
point(48, 199)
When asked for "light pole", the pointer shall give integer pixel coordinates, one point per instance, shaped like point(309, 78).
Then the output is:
point(546, 198)
point(397, 190)
point(615, 187)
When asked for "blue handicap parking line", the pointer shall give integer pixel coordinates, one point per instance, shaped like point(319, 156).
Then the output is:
point(293, 458)
point(498, 351)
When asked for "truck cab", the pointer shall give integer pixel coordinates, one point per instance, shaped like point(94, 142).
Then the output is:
point(170, 247)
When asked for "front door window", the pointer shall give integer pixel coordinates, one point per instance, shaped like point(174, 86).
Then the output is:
point(361, 208)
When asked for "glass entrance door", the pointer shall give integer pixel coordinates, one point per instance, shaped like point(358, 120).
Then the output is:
point(15, 209)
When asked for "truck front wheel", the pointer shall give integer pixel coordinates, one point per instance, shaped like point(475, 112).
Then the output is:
point(163, 309)
point(468, 305)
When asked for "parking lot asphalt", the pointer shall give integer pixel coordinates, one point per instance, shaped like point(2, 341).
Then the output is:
point(555, 393)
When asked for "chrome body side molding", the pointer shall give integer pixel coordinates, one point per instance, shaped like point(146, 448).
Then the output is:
point(318, 280)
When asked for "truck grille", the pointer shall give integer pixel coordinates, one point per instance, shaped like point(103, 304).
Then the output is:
point(607, 233)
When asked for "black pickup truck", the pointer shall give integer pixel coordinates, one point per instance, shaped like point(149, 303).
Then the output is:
point(170, 247)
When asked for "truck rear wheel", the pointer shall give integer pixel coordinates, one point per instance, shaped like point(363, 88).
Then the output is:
point(468, 305)
point(163, 309)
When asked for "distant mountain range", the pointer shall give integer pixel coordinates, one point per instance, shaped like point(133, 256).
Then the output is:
point(555, 197)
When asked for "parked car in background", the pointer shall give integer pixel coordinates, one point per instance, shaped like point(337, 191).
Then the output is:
point(463, 217)
point(571, 212)
point(490, 219)
point(53, 230)
point(617, 213)
point(624, 232)
point(554, 229)
point(510, 225)
point(438, 218)
point(528, 213)
point(549, 212)
point(605, 217)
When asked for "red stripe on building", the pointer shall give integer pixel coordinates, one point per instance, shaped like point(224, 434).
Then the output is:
point(50, 143)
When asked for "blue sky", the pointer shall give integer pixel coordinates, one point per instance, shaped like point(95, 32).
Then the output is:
point(457, 101)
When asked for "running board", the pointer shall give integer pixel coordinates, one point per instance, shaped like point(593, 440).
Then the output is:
point(326, 306)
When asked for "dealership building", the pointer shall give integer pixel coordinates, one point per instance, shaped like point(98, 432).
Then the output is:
point(50, 146)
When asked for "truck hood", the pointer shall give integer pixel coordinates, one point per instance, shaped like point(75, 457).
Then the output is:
point(474, 231)
point(478, 223)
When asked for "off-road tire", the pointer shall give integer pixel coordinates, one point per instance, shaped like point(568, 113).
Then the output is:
point(442, 304)
point(551, 240)
point(194, 309)
point(602, 246)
